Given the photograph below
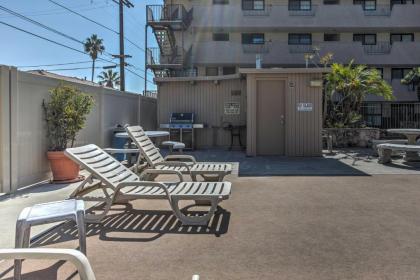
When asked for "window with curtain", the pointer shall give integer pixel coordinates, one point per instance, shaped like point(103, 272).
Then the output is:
point(401, 37)
point(253, 5)
point(365, 39)
point(253, 38)
point(300, 5)
point(300, 39)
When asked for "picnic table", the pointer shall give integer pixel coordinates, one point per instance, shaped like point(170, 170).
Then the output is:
point(411, 134)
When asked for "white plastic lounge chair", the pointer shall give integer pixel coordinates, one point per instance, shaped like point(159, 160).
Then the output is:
point(210, 171)
point(126, 185)
point(75, 257)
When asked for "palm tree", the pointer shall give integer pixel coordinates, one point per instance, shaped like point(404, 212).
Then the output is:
point(413, 78)
point(94, 46)
point(109, 78)
point(346, 88)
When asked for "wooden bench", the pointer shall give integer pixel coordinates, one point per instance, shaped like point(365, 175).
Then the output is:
point(385, 152)
point(173, 145)
point(375, 144)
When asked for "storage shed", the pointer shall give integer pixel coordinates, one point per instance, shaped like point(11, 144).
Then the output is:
point(280, 108)
point(284, 111)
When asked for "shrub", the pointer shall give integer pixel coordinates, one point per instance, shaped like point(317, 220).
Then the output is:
point(65, 115)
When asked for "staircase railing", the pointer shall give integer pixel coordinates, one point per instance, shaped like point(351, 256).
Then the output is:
point(167, 13)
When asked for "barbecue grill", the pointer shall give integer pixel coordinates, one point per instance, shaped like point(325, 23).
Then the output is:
point(181, 128)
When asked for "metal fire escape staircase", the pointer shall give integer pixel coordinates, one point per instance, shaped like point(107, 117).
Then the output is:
point(167, 58)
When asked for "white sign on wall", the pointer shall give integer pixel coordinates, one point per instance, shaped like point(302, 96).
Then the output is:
point(304, 107)
point(232, 108)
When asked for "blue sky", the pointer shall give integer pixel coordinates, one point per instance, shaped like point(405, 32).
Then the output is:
point(21, 49)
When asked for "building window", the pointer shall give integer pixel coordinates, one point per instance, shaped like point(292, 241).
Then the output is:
point(399, 73)
point(220, 36)
point(401, 2)
point(368, 5)
point(253, 38)
point(300, 5)
point(229, 70)
point(253, 5)
point(406, 37)
point(365, 39)
point(331, 2)
point(300, 39)
point(212, 71)
point(331, 37)
point(220, 2)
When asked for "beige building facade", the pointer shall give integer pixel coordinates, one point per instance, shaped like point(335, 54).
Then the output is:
point(217, 37)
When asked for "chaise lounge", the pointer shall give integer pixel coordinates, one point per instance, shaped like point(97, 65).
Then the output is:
point(210, 171)
point(125, 185)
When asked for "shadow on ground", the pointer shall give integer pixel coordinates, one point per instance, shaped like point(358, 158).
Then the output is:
point(126, 224)
point(279, 165)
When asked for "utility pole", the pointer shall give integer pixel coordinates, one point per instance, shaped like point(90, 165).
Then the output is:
point(122, 62)
point(122, 56)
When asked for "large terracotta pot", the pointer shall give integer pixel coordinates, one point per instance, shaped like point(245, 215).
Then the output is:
point(63, 168)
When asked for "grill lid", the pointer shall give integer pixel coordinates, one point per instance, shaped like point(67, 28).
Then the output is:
point(182, 118)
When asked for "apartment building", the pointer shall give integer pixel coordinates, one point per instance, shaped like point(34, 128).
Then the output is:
point(216, 37)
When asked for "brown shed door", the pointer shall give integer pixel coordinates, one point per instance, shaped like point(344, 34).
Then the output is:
point(270, 117)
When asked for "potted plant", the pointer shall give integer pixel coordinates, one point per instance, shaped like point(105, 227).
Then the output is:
point(65, 115)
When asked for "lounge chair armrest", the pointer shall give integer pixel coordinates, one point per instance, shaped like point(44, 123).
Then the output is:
point(185, 157)
point(173, 163)
point(143, 184)
point(75, 257)
point(163, 172)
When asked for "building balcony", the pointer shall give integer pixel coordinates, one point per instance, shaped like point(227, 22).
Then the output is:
point(174, 16)
point(156, 60)
point(321, 17)
point(281, 54)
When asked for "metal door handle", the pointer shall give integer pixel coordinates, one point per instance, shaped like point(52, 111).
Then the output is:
point(282, 119)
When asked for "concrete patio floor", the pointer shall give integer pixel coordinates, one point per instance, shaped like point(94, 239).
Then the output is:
point(283, 227)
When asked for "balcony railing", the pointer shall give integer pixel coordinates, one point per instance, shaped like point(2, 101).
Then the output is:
point(155, 59)
point(381, 10)
point(168, 14)
point(265, 12)
point(302, 48)
point(379, 48)
point(279, 52)
point(253, 48)
point(302, 12)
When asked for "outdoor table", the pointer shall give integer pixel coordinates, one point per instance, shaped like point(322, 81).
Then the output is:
point(150, 134)
point(411, 134)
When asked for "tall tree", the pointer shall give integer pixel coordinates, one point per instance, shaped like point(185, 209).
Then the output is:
point(94, 47)
point(109, 78)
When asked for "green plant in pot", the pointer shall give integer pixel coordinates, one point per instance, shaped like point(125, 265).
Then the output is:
point(65, 115)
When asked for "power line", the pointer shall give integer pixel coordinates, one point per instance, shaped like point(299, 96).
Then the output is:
point(44, 26)
point(65, 46)
point(59, 11)
point(52, 41)
point(40, 24)
point(80, 15)
point(55, 64)
point(134, 73)
point(97, 23)
point(75, 68)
